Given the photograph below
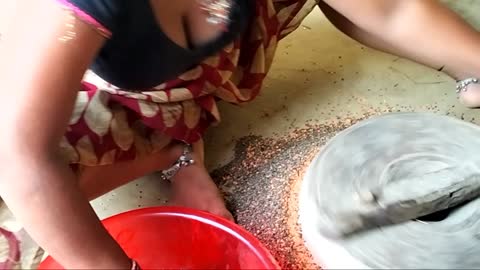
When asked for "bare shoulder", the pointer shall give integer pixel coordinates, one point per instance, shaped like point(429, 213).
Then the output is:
point(45, 51)
point(31, 24)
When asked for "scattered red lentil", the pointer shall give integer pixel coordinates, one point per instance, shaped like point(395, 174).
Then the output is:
point(262, 184)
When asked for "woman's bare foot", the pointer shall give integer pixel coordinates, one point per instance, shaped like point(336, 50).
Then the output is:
point(193, 187)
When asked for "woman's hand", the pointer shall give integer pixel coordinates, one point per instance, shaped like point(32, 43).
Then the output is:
point(193, 187)
point(471, 97)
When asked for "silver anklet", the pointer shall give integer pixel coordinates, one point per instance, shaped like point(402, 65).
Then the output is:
point(184, 160)
point(462, 85)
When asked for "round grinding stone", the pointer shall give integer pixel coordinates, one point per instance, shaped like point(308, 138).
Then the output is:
point(373, 154)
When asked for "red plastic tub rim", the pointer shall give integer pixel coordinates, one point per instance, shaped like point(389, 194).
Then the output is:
point(238, 232)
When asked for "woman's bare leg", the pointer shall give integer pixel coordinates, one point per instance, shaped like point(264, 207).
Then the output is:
point(191, 187)
point(98, 180)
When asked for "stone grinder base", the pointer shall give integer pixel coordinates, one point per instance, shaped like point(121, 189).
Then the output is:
point(372, 155)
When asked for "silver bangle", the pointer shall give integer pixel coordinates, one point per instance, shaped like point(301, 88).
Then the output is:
point(462, 85)
point(184, 160)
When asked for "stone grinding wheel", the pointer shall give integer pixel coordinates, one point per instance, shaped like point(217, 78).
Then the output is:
point(405, 161)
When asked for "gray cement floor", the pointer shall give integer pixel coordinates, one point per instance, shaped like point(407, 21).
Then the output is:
point(317, 70)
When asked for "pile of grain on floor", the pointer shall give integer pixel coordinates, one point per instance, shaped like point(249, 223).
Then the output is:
point(262, 184)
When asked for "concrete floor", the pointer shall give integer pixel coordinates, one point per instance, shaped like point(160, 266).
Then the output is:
point(318, 74)
point(317, 69)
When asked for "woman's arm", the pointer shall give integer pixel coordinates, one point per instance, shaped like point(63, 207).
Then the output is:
point(422, 30)
point(39, 77)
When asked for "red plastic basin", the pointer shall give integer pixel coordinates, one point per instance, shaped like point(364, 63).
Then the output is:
point(180, 238)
